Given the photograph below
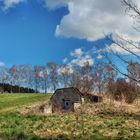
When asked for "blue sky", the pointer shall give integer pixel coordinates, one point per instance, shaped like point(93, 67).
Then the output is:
point(27, 35)
point(38, 31)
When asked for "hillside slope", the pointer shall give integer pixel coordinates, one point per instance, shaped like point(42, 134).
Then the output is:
point(101, 121)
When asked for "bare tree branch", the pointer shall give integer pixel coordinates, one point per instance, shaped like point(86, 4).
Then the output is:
point(118, 70)
point(126, 49)
point(128, 41)
point(131, 6)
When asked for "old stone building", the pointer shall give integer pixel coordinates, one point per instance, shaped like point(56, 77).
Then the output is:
point(94, 98)
point(66, 99)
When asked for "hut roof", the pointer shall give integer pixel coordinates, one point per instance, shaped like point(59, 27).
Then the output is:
point(69, 88)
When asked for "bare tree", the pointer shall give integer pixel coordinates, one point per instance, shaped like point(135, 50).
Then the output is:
point(66, 72)
point(20, 76)
point(111, 76)
point(76, 77)
point(134, 71)
point(27, 77)
point(36, 77)
point(99, 76)
point(87, 78)
point(4, 77)
point(53, 74)
point(132, 9)
point(13, 76)
point(43, 78)
point(82, 78)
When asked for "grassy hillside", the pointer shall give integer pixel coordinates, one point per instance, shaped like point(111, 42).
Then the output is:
point(13, 101)
point(91, 122)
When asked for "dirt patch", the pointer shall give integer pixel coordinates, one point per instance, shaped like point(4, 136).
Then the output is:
point(41, 108)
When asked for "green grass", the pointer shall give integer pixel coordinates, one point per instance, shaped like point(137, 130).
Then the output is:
point(15, 127)
point(12, 101)
point(107, 125)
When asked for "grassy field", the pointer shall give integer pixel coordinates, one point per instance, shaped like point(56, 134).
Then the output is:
point(13, 101)
point(107, 124)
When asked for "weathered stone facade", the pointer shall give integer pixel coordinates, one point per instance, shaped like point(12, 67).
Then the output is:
point(64, 100)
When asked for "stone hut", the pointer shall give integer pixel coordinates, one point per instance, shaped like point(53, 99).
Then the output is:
point(66, 99)
point(94, 98)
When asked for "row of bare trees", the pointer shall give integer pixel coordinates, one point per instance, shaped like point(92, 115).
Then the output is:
point(39, 78)
point(99, 78)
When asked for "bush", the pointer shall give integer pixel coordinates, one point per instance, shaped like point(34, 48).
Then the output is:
point(124, 90)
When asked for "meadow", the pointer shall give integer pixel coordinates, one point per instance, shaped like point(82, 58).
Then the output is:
point(105, 124)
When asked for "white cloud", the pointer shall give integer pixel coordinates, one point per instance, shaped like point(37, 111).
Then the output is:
point(66, 70)
point(90, 19)
point(65, 60)
point(10, 3)
point(82, 61)
point(77, 53)
point(99, 56)
point(81, 58)
point(2, 64)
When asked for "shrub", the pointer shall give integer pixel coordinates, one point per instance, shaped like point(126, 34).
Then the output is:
point(124, 90)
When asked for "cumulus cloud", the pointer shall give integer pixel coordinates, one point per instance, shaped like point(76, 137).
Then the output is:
point(10, 3)
point(81, 58)
point(90, 19)
point(77, 52)
point(66, 69)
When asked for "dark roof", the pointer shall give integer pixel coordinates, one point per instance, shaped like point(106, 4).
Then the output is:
point(72, 88)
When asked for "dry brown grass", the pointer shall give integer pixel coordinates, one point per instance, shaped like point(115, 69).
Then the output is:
point(35, 109)
point(123, 106)
point(108, 105)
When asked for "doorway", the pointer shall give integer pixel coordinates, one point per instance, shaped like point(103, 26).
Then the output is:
point(67, 104)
